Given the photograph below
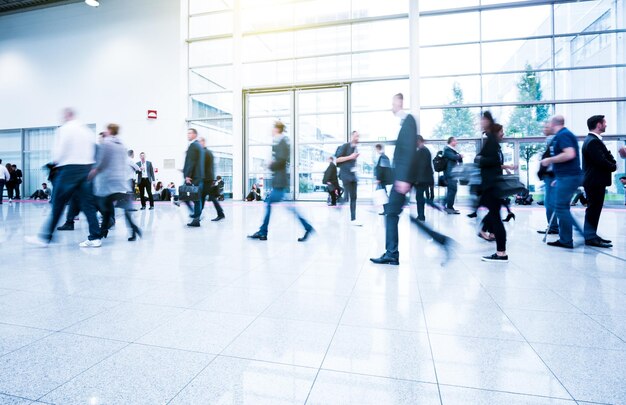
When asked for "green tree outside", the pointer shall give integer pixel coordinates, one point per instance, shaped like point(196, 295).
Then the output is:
point(527, 120)
point(458, 121)
point(526, 152)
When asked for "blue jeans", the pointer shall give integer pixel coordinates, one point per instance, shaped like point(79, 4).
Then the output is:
point(548, 202)
point(277, 195)
point(73, 179)
point(565, 188)
point(451, 192)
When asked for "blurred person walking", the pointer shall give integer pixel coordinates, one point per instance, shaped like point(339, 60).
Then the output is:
point(280, 183)
point(453, 159)
point(73, 156)
point(565, 159)
point(424, 177)
point(207, 187)
point(110, 175)
point(193, 172)
point(598, 164)
point(11, 183)
point(5, 176)
point(546, 174)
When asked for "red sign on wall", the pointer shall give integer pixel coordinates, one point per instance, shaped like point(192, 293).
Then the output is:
point(152, 114)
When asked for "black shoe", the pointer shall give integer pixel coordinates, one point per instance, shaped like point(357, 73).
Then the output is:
point(151, 208)
point(195, 223)
point(306, 235)
point(603, 240)
point(543, 232)
point(472, 215)
point(509, 217)
point(598, 243)
point(142, 208)
point(218, 218)
point(495, 258)
point(384, 259)
point(104, 233)
point(133, 236)
point(258, 235)
point(68, 226)
point(422, 219)
point(558, 243)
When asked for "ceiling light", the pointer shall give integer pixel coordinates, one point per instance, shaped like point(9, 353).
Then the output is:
point(92, 3)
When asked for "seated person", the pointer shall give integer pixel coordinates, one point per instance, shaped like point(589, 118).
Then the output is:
point(254, 194)
point(171, 187)
point(218, 188)
point(42, 194)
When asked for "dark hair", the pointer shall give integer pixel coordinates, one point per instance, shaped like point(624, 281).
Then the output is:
point(44, 184)
point(623, 178)
point(130, 152)
point(450, 139)
point(219, 177)
point(593, 122)
point(420, 138)
point(495, 128)
point(0, 161)
point(400, 96)
point(142, 153)
point(487, 115)
point(378, 146)
point(14, 165)
point(193, 130)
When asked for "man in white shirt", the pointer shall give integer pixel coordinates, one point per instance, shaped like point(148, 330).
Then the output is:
point(4, 178)
point(73, 155)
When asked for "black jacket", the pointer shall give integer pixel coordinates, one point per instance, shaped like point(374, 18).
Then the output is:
point(194, 162)
point(453, 158)
point(598, 162)
point(330, 175)
point(383, 171)
point(423, 168)
point(149, 171)
point(490, 162)
point(280, 152)
point(208, 166)
point(406, 151)
point(345, 168)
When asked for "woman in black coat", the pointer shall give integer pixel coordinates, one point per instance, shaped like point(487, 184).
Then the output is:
point(491, 171)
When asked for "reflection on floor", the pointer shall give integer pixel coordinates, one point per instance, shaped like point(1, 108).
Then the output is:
point(206, 316)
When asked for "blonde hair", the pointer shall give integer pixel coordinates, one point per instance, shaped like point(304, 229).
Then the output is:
point(114, 129)
point(279, 126)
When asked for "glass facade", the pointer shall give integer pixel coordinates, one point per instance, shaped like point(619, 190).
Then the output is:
point(329, 67)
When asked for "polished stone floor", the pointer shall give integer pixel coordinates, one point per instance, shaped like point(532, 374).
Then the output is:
point(206, 316)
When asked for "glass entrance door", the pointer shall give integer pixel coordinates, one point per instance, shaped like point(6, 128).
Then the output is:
point(316, 123)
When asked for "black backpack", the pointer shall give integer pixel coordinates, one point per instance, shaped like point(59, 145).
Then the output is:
point(439, 162)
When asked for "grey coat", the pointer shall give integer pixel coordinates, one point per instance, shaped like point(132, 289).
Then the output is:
point(112, 164)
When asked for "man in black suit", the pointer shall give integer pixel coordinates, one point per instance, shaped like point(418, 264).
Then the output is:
point(598, 164)
point(424, 177)
point(453, 158)
point(404, 161)
point(331, 180)
point(346, 156)
point(194, 172)
point(207, 186)
point(145, 178)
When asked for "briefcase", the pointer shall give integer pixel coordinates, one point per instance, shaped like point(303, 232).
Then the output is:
point(188, 192)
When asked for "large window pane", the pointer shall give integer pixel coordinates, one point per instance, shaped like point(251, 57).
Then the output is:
point(584, 16)
point(212, 105)
point(312, 162)
point(444, 60)
point(443, 29)
point(377, 126)
point(576, 116)
point(586, 50)
point(380, 35)
point(216, 132)
point(461, 122)
point(590, 83)
point(279, 45)
point(506, 87)
point(430, 5)
point(380, 64)
point(450, 90)
point(212, 52)
point(372, 96)
point(205, 6)
point(210, 79)
point(321, 41)
point(268, 73)
point(211, 24)
point(518, 22)
point(517, 55)
point(323, 69)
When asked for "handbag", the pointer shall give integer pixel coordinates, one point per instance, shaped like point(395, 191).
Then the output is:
point(380, 196)
point(188, 192)
point(508, 185)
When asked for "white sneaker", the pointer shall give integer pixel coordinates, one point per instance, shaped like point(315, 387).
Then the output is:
point(356, 223)
point(91, 243)
point(36, 241)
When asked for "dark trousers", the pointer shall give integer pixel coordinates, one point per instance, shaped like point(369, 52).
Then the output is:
point(74, 208)
point(207, 192)
point(332, 192)
point(2, 184)
point(350, 191)
point(493, 221)
point(196, 211)
point(277, 195)
point(451, 192)
point(595, 202)
point(145, 185)
point(17, 191)
point(10, 190)
point(422, 194)
point(107, 207)
point(393, 209)
point(72, 179)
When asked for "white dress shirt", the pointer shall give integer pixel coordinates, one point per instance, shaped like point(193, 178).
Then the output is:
point(75, 145)
point(4, 174)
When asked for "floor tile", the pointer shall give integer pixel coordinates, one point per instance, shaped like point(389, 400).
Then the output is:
point(248, 301)
point(11, 400)
point(38, 368)
point(492, 364)
point(589, 374)
point(342, 388)
point(202, 331)
point(380, 312)
point(381, 352)
point(237, 381)
point(283, 341)
point(13, 337)
point(457, 395)
point(135, 375)
point(305, 306)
